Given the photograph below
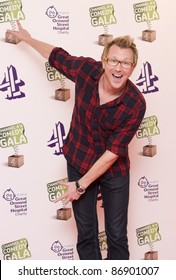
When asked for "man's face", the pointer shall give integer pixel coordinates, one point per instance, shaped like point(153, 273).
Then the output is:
point(116, 76)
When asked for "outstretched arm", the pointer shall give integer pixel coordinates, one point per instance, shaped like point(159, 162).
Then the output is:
point(42, 48)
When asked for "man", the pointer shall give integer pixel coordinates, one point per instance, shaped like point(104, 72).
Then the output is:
point(107, 113)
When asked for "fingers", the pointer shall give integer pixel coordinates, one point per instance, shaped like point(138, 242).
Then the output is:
point(60, 198)
point(64, 199)
point(67, 200)
point(70, 193)
point(19, 24)
point(14, 32)
point(62, 183)
point(64, 195)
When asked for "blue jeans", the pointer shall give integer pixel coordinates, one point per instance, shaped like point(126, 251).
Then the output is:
point(115, 195)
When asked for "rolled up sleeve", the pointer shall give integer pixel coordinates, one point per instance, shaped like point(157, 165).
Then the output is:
point(121, 137)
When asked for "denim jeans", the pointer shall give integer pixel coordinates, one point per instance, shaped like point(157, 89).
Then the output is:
point(115, 196)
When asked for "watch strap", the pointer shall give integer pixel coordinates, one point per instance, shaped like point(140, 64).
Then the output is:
point(77, 185)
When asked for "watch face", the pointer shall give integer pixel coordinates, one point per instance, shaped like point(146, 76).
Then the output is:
point(80, 190)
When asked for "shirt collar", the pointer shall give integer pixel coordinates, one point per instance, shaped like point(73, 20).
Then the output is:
point(124, 98)
point(97, 72)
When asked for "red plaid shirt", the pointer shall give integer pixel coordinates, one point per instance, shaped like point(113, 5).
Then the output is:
point(96, 128)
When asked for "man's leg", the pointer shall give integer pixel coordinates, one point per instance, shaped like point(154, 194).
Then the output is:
point(86, 220)
point(115, 194)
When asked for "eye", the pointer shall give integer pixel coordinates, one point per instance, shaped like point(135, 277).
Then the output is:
point(126, 63)
point(113, 60)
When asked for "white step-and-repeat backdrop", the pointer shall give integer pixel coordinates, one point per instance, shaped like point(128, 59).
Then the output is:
point(36, 104)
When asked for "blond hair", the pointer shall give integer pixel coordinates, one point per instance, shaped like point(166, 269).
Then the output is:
point(122, 42)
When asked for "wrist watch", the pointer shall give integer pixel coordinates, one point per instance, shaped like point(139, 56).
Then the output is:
point(80, 190)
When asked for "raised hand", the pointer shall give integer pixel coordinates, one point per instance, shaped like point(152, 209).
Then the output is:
point(21, 34)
